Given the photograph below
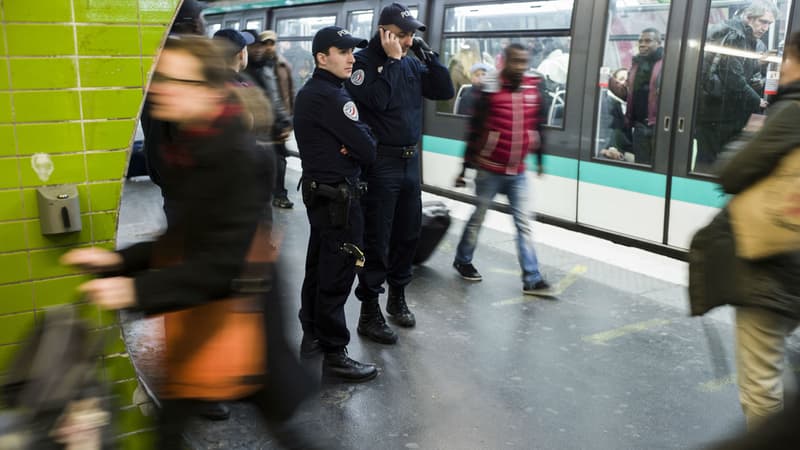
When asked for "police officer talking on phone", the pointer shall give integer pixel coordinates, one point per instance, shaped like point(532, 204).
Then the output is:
point(333, 146)
point(388, 86)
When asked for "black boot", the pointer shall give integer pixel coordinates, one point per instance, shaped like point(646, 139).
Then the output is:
point(214, 411)
point(397, 309)
point(309, 347)
point(338, 366)
point(372, 325)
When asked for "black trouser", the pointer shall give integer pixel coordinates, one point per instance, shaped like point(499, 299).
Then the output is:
point(643, 139)
point(712, 137)
point(281, 153)
point(330, 271)
point(392, 222)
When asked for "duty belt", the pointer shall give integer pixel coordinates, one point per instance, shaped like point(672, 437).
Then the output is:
point(337, 190)
point(397, 151)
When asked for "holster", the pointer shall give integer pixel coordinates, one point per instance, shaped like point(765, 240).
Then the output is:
point(338, 198)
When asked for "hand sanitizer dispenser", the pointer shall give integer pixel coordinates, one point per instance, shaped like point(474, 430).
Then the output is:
point(59, 209)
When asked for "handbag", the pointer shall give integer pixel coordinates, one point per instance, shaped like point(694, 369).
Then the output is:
point(218, 351)
point(713, 266)
point(765, 217)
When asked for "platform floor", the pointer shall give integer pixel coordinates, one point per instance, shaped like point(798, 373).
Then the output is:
point(613, 363)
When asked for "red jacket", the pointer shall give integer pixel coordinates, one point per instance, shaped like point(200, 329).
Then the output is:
point(505, 126)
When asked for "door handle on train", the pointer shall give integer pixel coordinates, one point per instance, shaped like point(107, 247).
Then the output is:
point(666, 123)
point(681, 122)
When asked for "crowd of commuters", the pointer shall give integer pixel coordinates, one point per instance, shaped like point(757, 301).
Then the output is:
point(219, 112)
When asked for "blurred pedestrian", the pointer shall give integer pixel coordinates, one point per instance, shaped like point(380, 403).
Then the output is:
point(769, 278)
point(503, 130)
point(211, 271)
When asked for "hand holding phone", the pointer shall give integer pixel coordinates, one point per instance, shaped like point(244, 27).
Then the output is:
point(391, 44)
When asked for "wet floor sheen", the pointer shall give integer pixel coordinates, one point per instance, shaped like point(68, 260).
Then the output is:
point(613, 363)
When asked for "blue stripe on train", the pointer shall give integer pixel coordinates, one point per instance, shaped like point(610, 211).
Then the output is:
point(688, 190)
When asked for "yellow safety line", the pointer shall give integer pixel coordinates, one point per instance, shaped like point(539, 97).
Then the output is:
point(569, 279)
point(605, 336)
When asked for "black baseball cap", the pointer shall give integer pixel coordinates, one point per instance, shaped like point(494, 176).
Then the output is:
point(335, 37)
point(238, 39)
point(397, 14)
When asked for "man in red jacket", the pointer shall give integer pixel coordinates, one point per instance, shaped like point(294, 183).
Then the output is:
point(503, 131)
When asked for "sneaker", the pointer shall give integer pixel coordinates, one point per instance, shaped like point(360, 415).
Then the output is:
point(468, 271)
point(541, 287)
point(282, 202)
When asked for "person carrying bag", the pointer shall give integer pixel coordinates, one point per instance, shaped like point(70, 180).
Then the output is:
point(763, 247)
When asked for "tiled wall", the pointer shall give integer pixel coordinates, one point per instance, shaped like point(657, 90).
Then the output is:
point(71, 86)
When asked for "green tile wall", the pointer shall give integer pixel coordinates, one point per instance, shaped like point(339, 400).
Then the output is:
point(74, 96)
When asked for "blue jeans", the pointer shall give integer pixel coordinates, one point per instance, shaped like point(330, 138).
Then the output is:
point(515, 187)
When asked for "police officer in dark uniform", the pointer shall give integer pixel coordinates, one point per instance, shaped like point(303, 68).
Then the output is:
point(388, 87)
point(333, 146)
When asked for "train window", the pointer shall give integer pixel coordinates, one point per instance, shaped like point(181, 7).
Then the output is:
point(537, 15)
point(232, 24)
point(478, 48)
point(737, 74)
point(295, 35)
point(298, 54)
point(630, 80)
point(360, 23)
point(212, 28)
point(303, 26)
point(254, 24)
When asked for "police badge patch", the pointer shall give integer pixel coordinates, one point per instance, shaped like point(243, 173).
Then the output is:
point(357, 77)
point(350, 110)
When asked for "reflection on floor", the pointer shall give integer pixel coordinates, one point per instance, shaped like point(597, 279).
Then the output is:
point(614, 363)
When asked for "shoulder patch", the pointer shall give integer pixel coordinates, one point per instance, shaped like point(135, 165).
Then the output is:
point(357, 78)
point(350, 111)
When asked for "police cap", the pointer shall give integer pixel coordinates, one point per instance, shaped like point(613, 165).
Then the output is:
point(335, 37)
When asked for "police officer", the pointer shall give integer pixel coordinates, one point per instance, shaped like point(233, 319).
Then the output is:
point(388, 86)
point(333, 145)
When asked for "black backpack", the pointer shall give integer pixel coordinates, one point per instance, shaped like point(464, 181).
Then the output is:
point(53, 379)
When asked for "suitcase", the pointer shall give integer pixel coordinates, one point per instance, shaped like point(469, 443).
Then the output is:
point(435, 222)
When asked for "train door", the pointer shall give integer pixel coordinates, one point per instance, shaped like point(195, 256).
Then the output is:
point(655, 131)
point(714, 104)
point(622, 181)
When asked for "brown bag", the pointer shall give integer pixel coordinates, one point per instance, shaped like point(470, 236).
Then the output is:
point(765, 218)
point(217, 351)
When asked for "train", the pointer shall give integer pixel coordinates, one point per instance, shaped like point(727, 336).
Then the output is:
point(655, 203)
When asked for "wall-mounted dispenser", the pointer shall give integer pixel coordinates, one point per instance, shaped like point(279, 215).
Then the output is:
point(59, 209)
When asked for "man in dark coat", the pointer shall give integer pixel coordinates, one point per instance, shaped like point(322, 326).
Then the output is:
point(731, 87)
point(388, 86)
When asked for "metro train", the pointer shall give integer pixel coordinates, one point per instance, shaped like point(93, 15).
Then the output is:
point(655, 203)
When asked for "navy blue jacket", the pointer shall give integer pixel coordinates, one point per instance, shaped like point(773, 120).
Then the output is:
point(325, 119)
point(389, 92)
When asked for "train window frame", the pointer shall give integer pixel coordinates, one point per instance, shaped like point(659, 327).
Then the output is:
point(507, 34)
point(784, 22)
point(250, 20)
point(594, 150)
point(349, 14)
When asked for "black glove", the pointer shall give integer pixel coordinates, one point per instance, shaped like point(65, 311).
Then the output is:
point(422, 50)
